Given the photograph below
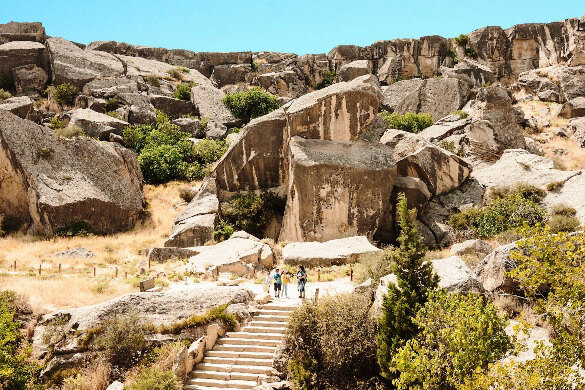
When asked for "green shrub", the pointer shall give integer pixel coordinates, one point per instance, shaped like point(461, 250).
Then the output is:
point(214, 314)
point(453, 55)
point(563, 209)
point(7, 82)
point(122, 340)
point(459, 335)
point(163, 163)
point(462, 114)
point(416, 280)
point(153, 80)
point(250, 212)
point(64, 94)
point(178, 72)
point(69, 132)
point(563, 223)
point(183, 91)
point(222, 231)
point(327, 79)
point(411, 122)
point(112, 105)
point(332, 344)
point(208, 151)
point(462, 40)
point(250, 104)
point(150, 379)
point(525, 190)
point(56, 123)
point(374, 266)
point(4, 94)
point(447, 145)
point(470, 52)
point(16, 369)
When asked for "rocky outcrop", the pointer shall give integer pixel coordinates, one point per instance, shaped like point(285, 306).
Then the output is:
point(23, 31)
point(339, 112)
point(564, 83)
point(492, 270)
point(20, 106)
point(333, 252)
point(20, 53)
point(471, 247)
point(455, 275)
point(241, 254)
point(174, 108)
point(494, 126)
point(30, 79)
point(570, 194)
point(437, 96)
point(207, 102)
point(71, 64)
point(52, 183)
point(573, 108)
point(286, 83)
point(336, 189)
point(354, 70)
point(95, 124)
point(194, 226)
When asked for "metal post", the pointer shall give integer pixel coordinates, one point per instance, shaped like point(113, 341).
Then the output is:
point(59, 267)
point(40, 265)
point(94, 272)
point(350, 273)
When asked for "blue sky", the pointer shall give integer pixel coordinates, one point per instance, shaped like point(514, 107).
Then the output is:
point(299, 26)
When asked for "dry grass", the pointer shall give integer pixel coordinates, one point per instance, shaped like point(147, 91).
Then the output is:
point(123, 251)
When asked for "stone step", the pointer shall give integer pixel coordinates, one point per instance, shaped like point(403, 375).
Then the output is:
point(264, 329)
point(268, 324)
point(239, 361)
point(225, 375)
point(272, 318)
point(274, 313)
point(244, 348)
point(278, 307)
point(258, 370)
point(200, 383)
point(243, 354)
point(234, 339)
point(255, 335)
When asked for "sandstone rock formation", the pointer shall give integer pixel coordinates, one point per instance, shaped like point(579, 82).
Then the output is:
point(471, 247)
point(333, 252)
point(95, 124)
point(51, 183)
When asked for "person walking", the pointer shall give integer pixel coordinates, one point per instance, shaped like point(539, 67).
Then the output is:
point(267, 281)
point(301, 280)
point(285, 280)
point(277, 283)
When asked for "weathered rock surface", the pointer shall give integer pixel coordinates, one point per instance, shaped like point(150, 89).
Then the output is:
point(20, 53)
point(230, 74)
point(573, 108)
point(471, 247)
point(20, 106)
point(70, 64)
point(164, 254)
point(491, 271)
point(336, 189)
point(96, 124)
point(518, 166)
point(333, 252)
point(238, 255)
point(194, 226)
point(570, 193)
point(455, 275)
point(438, 96)
point(339, 112)
point(207, 102)
point(566, 82)
point(256, 161)
point(110, 87)
point(494, 127)
point(23, 31)
point(286, 83)
point(354, 70)
point(577, 127)
point(448, 126)
point(174, 108)
point(191, 126)
point(471, 72)
point(29, 79)
point(51, 183)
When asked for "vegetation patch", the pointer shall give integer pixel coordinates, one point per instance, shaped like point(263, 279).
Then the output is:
point(461, 40)
point(250, 104)
point(178, 72)
point(122, 340)
point(563, 219)
point(183, 91)
point(4, 94)
point(69, 132)
point(411, 122)
point(462, 114)
point(63, 94)
point(249, 212)
point(78, 229)
point(215, 314)
point(327, 79)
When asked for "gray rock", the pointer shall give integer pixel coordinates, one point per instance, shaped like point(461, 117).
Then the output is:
point(30, 79)
point(571, 194)
point(52, 183)
point(286, 83)
point(455, 275)
point(174, 108)
point(573, 108)
point(215, 130)
point(20, 53)
point(567, 81)
point(115, 385)
point(471, 72)
point(230, 74)
point(111, 87)
point(191, 126)
point(76, 66)
point(324, 254)
point(577, 127)
point(165, 254)
point(208, 102)
point(23, 31)
point(77, 253)
point(96, 124)
point(446, 127)
point(354, 69)
point(492, 270)
point(471, 247)
point(20, 106)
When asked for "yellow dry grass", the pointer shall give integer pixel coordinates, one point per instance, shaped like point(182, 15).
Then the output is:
point(75, 285)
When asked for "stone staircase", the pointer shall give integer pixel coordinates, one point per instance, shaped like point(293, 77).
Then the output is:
point(241, 359)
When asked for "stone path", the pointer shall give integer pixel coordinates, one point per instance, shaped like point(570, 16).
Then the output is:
point(241, 359)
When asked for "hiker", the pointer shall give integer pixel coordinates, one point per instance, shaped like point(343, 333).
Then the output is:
point(267, 281)
point(302, 280)
point(277, 283)
point(285, 281)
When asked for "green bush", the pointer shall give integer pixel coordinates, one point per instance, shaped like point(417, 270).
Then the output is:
point(64, 93)
point(77, 229)
point(462, 40)
point(563, 209)
point(416, 280)
point(4, 94)
point(459, 334)
point(411, 122)
point(56, 123)
point(222, 231)
point(462, 114)
point(563, 223)
point(122, 339)
point(453, 55)
point(250, 104)
point(328, 78)
point(250, 212)
point(183, 91)
point(214, 314)
point(511, 208)
point(332, 344)
point(470, 52)
point(16, 370)
point(152, 379)
point(165, 153)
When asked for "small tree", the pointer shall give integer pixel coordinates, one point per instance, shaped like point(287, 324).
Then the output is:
point(250, 104)
point(415, 281)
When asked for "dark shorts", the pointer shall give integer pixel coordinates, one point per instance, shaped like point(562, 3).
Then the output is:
point(277, 287)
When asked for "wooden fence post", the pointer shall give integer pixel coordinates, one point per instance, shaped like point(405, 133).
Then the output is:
point(350, 273)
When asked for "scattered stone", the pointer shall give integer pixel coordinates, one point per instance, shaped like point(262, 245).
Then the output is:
point(324, 254)
point(77, 253)
point(471, 247)
point(165, 254)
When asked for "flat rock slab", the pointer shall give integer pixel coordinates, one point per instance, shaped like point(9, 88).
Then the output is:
point(572, 194)
point(333, 252)
point(96, 124)
point(455, 275)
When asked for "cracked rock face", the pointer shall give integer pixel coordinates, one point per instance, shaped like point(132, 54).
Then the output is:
point(50, 183)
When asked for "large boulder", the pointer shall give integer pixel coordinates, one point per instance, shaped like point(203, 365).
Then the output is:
point(577, 126)
point(174, 108)
point(568, 82)
point(194, 225)
point(30, 79)
point(471, 72)
point(455, 275)
point(256, 160)
point(111, 87)
point(520, 166)
point(230, 74)
point(95, 124)
point(437, 96)
point(339, 112)
point(324, 254)
point(570, 194)
point(573, 108)
point(336, 189)
point(71, 64)
point(286, 83)
point(241, 254)
point(208, 103)
point(494, 127)
point(20, 53)
point(471, 247)
point(24, 31)
point(51, 183)
point(354, 70)
point(452, 125)
point(492, 271)
point(439, 169)
point(20, 106)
